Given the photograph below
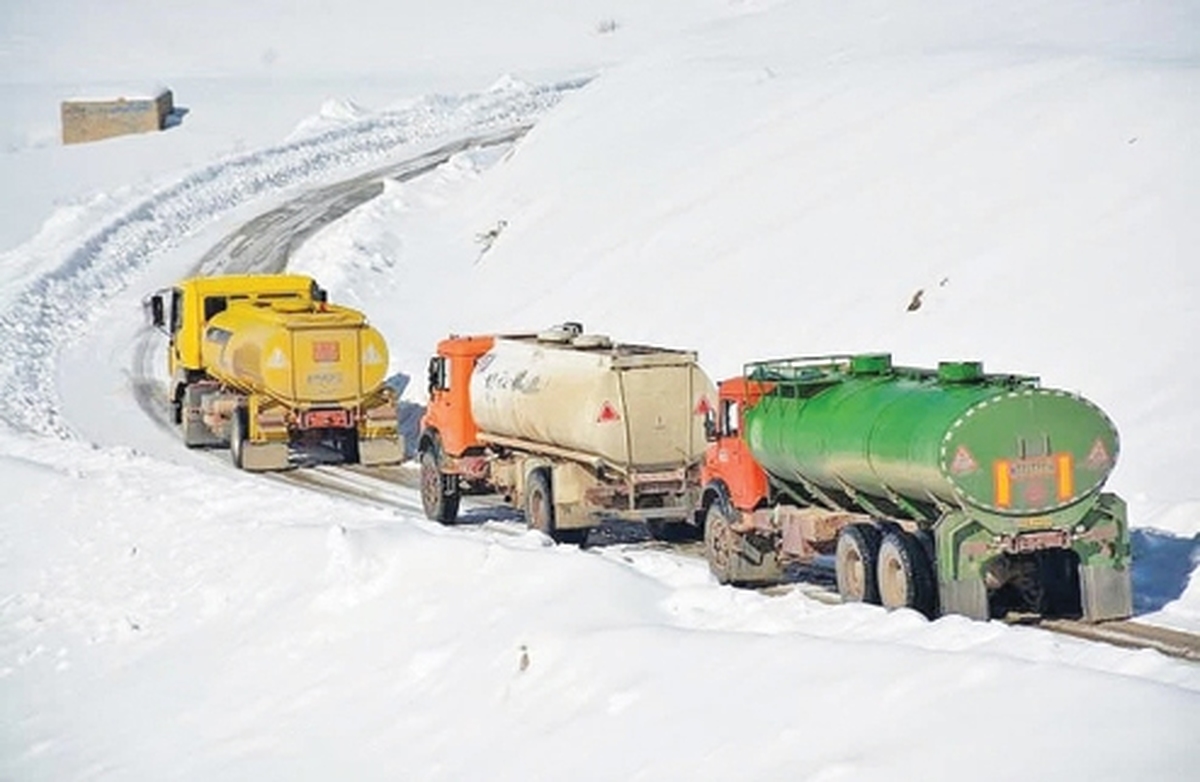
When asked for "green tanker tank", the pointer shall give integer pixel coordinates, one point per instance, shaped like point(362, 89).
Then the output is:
point(991, 481)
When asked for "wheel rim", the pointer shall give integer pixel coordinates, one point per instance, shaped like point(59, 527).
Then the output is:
point(539, 512)
point(852, 574)
point(893, 579)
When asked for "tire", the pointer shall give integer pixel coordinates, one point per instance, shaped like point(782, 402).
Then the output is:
point(439, 493)
point(718, 543)
point(348, 446)
point(239, 430)
point(539, 510)
point(904, 573)
point(856, 563)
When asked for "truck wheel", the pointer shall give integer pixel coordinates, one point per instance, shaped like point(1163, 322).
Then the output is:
point(904, 573)
point(856, 563)
point(238, 432)
point(539, 510)
point(718, 543)
point(439, 493)
point(347, 444)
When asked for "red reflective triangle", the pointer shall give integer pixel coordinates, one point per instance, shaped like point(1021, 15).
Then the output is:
point(703, 407)
point(607, 414)
point(963, 461)
point(1098, 457)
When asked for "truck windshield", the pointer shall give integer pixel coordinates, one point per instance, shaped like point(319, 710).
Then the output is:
point(214, 305)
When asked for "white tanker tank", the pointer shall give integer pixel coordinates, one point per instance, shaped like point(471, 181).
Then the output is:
point(630, 405)
point(570, 426)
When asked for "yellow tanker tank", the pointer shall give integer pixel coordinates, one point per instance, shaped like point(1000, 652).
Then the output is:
point(263, 363)
point(300, 353)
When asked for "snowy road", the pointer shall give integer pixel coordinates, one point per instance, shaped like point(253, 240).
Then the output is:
point(267, 242)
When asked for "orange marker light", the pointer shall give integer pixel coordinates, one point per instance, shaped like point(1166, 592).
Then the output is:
point(1066, 475)
point(1003, 483)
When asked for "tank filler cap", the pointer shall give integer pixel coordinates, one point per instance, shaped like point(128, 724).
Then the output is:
point(585, 341)
point(960, 371)
point(871, 363)
point(561, 334)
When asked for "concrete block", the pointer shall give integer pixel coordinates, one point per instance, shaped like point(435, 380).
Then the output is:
point(92, 120)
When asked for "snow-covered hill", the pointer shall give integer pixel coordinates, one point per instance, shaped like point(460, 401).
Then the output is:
point(744, 177)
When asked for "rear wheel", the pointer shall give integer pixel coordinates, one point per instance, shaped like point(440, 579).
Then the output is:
point(856, 563)
point(239, 430)
point(347, 445)
point(539, 510)
point(905, 574)
point(439, 492)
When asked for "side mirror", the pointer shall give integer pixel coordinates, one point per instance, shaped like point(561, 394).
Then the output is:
point(155, 311)
point(710, 428)
point(436, 374)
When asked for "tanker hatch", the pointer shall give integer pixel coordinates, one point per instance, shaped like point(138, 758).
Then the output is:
point(960, 371)
point(871, 364)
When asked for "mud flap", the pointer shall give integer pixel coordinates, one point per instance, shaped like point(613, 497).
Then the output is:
point(1107, 592)
point(196, 433)
point(753, 566)
point(263, 457)
point(966, 596)
point(381, 450)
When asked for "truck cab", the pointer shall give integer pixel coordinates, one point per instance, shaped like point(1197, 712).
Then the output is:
point(730, 474)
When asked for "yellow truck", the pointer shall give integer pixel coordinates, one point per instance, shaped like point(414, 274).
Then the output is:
point(263, 364)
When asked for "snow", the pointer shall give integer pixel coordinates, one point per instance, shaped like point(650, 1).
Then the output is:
point(746, 178)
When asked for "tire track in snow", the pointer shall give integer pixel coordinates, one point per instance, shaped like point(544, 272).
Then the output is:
point(65, 301)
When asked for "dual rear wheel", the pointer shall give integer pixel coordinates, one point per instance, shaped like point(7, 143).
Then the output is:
point(539, 510)
point(888, 568)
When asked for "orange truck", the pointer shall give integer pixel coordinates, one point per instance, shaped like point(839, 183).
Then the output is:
point(570, 427)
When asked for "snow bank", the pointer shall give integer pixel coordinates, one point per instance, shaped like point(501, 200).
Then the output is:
point(369, 645)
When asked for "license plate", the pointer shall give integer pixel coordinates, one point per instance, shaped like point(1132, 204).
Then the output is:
point(327, 419)
point(1037, 541)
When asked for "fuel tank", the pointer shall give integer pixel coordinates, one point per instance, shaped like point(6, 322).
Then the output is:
point(953, 436)
point(297, 352)
point(636, 406)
